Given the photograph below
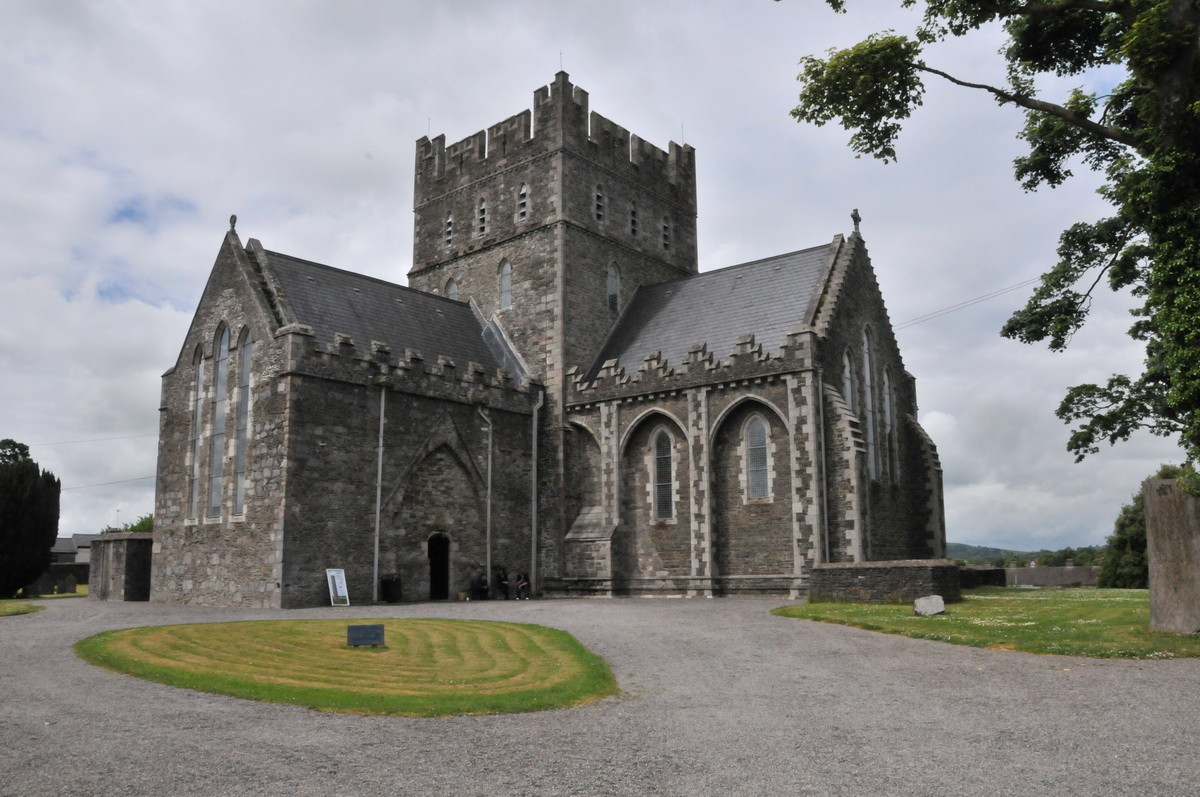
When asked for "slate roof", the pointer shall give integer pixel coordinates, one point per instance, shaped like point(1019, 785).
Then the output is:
point(367, 309)
point(83, 540)
point(63, 545)
point(764, 298)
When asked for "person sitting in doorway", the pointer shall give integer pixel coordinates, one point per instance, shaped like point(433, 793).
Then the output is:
point(522, 586)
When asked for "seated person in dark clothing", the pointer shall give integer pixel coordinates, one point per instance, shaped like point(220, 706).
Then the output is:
point(522, 586)
point(479, 587)
point(502, 582)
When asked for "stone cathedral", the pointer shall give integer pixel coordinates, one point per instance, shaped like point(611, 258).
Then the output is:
point(559, 390)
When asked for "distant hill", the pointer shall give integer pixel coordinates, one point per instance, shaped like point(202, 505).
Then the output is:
point(982, 555)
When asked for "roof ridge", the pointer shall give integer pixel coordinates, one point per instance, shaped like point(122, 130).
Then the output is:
point(359, 275)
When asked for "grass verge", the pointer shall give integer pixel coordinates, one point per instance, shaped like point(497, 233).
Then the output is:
point(1095, 623)
point(10, 608)
point(429, 667)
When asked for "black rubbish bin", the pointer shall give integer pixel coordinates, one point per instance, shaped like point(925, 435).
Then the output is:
point(389, 588)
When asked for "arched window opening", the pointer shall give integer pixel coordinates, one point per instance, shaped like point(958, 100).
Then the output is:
point(666, 232)
point(869, 405)
point(481, 217)
point(245, 355)
point(757, 469)
point(197, 435)
point(889, 426)
point(614, 288)
point(664, 487)
point(599, 203)
point(848, 383)
point(633, 231)
point(216, 441)
point(452, 289)
point(505, 285)
point(523, 202)
point(448, 234)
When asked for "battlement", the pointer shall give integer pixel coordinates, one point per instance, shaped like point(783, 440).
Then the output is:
point(746, 362)
point(559, 119)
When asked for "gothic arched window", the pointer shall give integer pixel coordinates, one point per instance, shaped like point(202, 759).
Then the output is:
point(757, 461)
point(889, 427)
point(505, 285)
point(245, 355)
point(869, 405)
point(452, 289)
point(848, 381)
point(197, 434)
point(614, 288)
point(664, 483)
point(216, 440)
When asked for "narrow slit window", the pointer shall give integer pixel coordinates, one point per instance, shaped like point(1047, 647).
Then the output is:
point(481, 217)
point(869, 405)
point(599, 203)
point(197, 436)
point(664, 505)
point(448, 235)
point(848, 386)
point(245, 355)
point(523, 202)
point(633, 230)
point(614, 288)
point(756, 459)
point(216, 443)
point(666, 232)
point(505, 285)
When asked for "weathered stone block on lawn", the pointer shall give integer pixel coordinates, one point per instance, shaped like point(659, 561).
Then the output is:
point(1173, 550)
point(929, 605)
point(900, 581)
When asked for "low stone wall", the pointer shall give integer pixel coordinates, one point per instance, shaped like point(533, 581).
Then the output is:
point(970, 577)
point(1173, 550)
point(1051, 576)
point(900, 581)
point(121, 567)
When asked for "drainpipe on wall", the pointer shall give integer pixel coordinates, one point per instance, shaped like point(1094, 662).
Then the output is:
point(533, 500)
point(488, 511)
point(378, 492)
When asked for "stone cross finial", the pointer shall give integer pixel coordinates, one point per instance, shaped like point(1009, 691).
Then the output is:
point(233, 223)
point(854, 217)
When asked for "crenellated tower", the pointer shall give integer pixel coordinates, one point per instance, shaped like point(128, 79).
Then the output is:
point(548, 222)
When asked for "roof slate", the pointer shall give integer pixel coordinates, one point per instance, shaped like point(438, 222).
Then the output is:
point(765, 298)
point(367, 309)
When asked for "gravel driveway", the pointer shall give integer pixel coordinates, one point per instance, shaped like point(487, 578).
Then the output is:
point(719, 697)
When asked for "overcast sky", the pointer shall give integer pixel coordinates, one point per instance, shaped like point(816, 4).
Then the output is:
point(130, 131)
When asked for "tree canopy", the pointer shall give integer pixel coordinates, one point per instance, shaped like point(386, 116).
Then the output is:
point(28, 517)
point(1141, 132)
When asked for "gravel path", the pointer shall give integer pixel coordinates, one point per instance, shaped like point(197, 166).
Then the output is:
point(719, 697)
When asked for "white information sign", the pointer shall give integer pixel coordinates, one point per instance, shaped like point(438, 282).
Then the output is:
point(338, 594)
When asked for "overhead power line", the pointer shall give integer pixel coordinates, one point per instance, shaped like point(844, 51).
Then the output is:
point(96, 440)
point(105, 484)
point(964, 304)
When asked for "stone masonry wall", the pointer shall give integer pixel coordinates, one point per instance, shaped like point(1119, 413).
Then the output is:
point(886, 582)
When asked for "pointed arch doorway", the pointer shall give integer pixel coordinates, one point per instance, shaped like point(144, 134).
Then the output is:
point(439, 567)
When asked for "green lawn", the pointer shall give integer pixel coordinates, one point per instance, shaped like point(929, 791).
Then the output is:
point(1096, 623)
point(10, 608)
point(429, 667)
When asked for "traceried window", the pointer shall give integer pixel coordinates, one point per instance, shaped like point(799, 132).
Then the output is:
point(848, 381)
point(245, 356)
point(448, 234)
point(599, 203)
point(666, 232)
point(216, 440)
point(197, 435)
point(481, 217)
point(452, 289)
point(664, 487)
point(505, 285)
point(869, 405)
point(757, 470)
point(523, 202)
point(633, 231)
point(614, 288)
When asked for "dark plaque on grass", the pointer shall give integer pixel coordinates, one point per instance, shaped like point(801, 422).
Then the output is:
point(357, 635)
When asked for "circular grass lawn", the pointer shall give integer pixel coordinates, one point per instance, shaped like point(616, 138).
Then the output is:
point(428, 667)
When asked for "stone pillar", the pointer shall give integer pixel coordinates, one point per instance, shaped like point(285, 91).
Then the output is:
point(120, 567)
point(1173, 550)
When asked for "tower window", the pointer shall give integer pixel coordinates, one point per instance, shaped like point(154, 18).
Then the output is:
point(216, 462)
point(505, 285)
point(633, 220)
point(666, 232)
point(599, 203)
point(757, 485)
point(452, 289)
point(664, 488)
point(523, 202)
point(614, 288)
point(481, 217)
point(448, 234)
